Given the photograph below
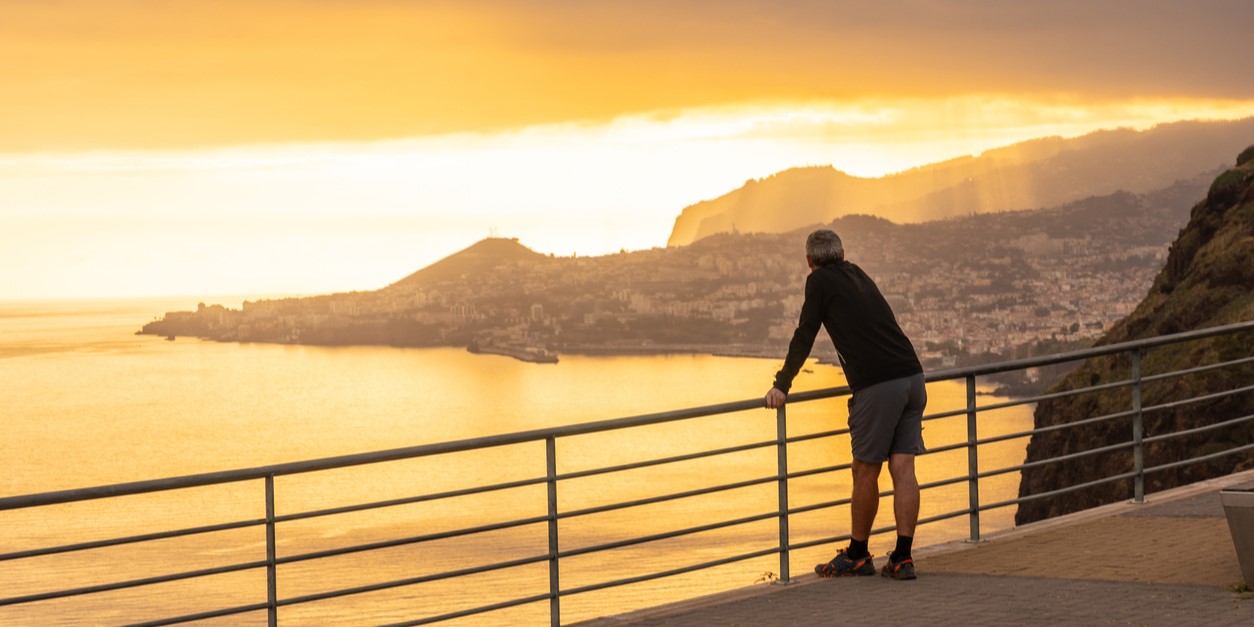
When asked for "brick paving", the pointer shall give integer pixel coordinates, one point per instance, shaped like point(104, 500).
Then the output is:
point(1167, 562)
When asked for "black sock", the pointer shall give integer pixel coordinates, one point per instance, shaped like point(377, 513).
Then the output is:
point(857, 549)
point(903, 548)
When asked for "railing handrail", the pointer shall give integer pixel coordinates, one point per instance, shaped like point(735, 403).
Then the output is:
point(1092, 351)
point(781, 476)
point(539, 435)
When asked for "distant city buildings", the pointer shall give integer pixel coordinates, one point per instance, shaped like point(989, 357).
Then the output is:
point(736, 294)
point(961, 289)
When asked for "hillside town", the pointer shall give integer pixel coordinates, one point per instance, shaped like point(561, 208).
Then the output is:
point(963, 289)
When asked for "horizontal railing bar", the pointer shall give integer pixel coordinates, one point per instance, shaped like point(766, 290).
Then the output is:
point(1067, 457)
point(666, 497)
point(989, 506)
point(345, 461)
point(999, 471)
point(939, 517)
point(473, 611)
point(797, 474)
point(1198, 399)
point(130, 489)
point(944, 448)
point(1094, 351)
point(98, 544)
point(814, 436)
point(410, 500)
point(993, 439)
point(817, 542)
point(1204, 458)
point(133, 583)
point(945, 414)
point(837, 503)
point(1179, 373)
point(666, 535)
point(1055, 395)
point(874, 532)
point(1024, 466)
point(1026, 401)
point(804, 473)
point(1058, 427)
point(387, 544)
point(669, 573)
point(411, 581)
point(665, 460)
point(521, 437)
point(187, 618)
point(1217, 425)
point(1066, 490)
point(940, 483)
point(843, 538)
point(802, 509)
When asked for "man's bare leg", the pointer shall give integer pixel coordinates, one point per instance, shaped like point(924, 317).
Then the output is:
point(906, 511)
point(905, 493)
point(856, 559)
point(866, 499)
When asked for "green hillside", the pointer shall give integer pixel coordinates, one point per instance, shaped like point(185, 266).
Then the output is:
point(1208, 281)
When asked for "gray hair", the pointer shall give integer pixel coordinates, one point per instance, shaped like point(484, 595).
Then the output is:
point(823, 247)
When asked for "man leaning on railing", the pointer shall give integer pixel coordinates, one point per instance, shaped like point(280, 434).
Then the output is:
point(886, 409)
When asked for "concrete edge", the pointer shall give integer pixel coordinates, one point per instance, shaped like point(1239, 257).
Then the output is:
point(922, 553)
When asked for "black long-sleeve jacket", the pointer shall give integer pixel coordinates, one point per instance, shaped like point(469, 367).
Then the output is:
point(870, 344)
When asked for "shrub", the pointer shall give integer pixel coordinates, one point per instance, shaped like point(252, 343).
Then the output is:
point(1226, 187)
point(1246, 155)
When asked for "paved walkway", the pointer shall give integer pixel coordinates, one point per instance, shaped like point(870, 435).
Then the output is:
point(1167, 562)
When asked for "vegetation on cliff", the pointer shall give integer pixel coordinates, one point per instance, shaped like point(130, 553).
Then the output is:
point(1208, 281)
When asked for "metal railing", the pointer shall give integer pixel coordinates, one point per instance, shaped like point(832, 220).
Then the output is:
point(780, 476)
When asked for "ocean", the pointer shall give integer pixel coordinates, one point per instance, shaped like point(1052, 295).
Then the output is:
point(87, 402)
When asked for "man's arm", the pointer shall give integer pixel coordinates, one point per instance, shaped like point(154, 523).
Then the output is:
point(802, 342)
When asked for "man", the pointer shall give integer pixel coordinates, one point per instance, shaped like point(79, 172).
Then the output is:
point(886, 409)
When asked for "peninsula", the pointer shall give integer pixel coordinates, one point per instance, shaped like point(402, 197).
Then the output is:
point(974, 288)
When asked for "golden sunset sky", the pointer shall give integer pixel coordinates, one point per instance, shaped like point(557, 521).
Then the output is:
point(276, 146)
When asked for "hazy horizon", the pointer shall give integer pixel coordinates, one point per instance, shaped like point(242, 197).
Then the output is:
point(271, 147)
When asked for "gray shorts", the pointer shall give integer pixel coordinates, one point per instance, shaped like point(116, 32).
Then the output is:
point(887, 419)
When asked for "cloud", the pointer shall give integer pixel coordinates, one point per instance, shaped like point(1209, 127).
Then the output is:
point(132, 74)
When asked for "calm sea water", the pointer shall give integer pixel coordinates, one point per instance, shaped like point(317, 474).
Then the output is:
point(86, 402)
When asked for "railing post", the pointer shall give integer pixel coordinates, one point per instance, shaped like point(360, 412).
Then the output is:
point(973, 461)
point(1138, 430)
point(272, 571)
point(781, 447)
point(555, 601)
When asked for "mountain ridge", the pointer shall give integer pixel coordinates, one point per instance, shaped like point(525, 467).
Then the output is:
point(1037, 173)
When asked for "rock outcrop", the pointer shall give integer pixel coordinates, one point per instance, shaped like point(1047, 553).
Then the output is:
point(1208, 281)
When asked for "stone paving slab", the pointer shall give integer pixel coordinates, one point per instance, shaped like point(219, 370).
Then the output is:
point(1184, 550)
point(1167, 562)
point(956, 599)
point(1203, 505)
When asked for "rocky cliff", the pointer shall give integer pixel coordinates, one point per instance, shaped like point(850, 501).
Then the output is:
point(1208, 281)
